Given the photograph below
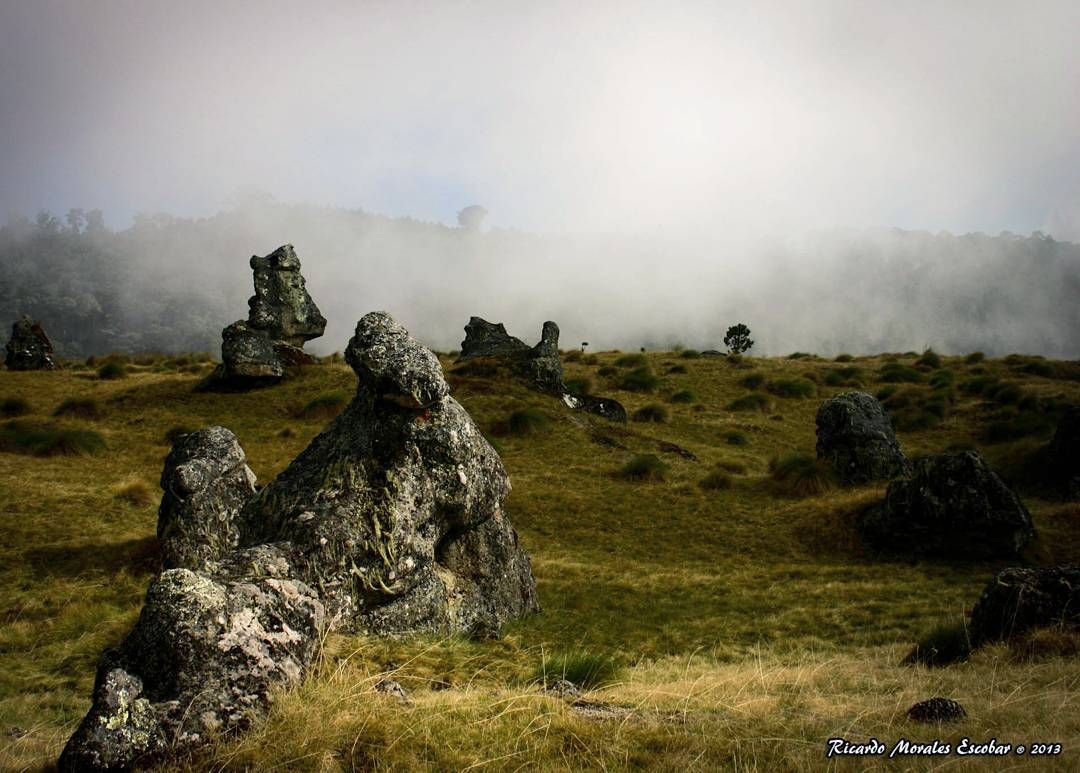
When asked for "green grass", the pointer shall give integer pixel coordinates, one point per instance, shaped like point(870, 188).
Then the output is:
point(528, 421)
point(716, 480)
point(632, 361)
point(582, 385)
point(945, 644)
point(112, 370)
point(801, 475)
point(654, 413)
point(645, 467)
point(684, 396)
point(18, 437)
point(752, 381)
point(10, 407)
point(640, 380)
point(754, 401)
point(82, 408)
point(797, 388)
point(586, 670)
point(325, 406)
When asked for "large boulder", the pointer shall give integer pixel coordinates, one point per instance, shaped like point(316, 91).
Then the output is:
point(855, 436)
point(1064, 454)
point(29, 348)
point(1019, 599)
point(952, 505)
point(390, 522)
point(282, 316)
point(488, 339)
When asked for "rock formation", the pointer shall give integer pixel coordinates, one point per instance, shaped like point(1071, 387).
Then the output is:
point(855, 436)
point(1064, 454)
point(281, 317)
point(539, 366)
point(390, 522)
point(952, 505)
point(29, 348)
point(1019, 599)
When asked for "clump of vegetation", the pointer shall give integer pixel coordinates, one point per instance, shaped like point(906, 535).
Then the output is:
point(44, 440)
point(645, 467)
point(945, 644)
point(735, 360)
point(799, 355)
point(286, 432)
point(82, 408)
point(1012, 426)
point(478, 368)
point(112, 370)
point(136, 492)
point(325, 406)
point(843, 358)
point(732, 465)
point(590, 359)
point(716, 480)
point(801, 475)
point(735, 438)
point(574, 355)
point(10, 407)
point(930, 360)
point(607, 370)
point(914, 409)
point(175, 433)
point(1045, 643)
point(585, 670)
point(582, 385)
point(680, 369)
point(632, 361)
point(654, 413)
point(898, 373)
point(527, 421)
point(942, 379)
point(640, 380)
point(792, 388)
point(690, 354)
point(737, 339)
point(978, 384)
point(848, 377)
point(752, 381)
point(684, 396)
point(974, 358)
point(754, 401)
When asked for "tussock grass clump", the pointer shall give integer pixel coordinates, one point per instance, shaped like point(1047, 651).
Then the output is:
point(645, 467)
point(735, 360)
point(112, 370)
point(82, 408)
point(677, 369)
point(898, 373)
point(843, 358)
point(978, 385)
point(478, 368)
point(801, 475)
point(945, 644)
point(579, 386)
point(325, 406)
point(942, 379)
point(684, 396)
point(607, 370)
point(45, 440)
point(799, 356)
point(653, 413)
point(1004, 393)
point(527, 421)
point(175, 433)
point(732, 465)
point(590, 359)
point(914, 408)
point(752, 381)
point(639, 380)
point(792, 388)
point(754, 401)
point(584, 669)
point(632, 361)
point(930, 360)
point(135, 492)
point(690, 354)
point(574, 355)
point(1045, 643)
point(848, 377)
point(717, 480)
point(10, 407)
point(1015, 426)
point(974, 358)
point(735, 438)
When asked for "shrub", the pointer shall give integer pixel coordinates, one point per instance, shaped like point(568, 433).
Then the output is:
point(942, 379)
point(737, 339)
point(736, 439)
point(527, 421)
point(11, 407)
point(690, 354)
point(752, 381)
point(801, 474)
point(716, 480)
point(684, 396)
point(112, 370)
point(136, 492)
point(632, 361)
point(844, 358)
point(325, 406)
point(754, 401)
point(585, 670)
point(579, 386)
point(792, 388)
point(175, 433)
point(78, 407)
point(930, 360)
point(645, 467)
point(898, 373)
point(947, 643)
point(44, 440)
point(639, 380)
point(651, 413)
point(974, 358)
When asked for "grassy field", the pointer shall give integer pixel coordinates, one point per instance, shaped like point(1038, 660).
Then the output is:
point(733, 624)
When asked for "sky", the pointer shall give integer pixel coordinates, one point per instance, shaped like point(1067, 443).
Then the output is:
point(698, 120)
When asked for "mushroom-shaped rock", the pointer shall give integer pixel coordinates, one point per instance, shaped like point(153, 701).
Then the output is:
point(855, 436)
point(29, 348)
point(952, 505)
point(1019, 599)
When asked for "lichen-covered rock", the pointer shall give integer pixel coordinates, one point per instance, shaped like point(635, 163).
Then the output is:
point(206, 481)
point(1019, 599)
point(486, 339)
point(541, 365)
point(1064, 454)
point(29, 348)
point(202, 657)
point(952, 505)
point(605, 407)
point(855, 436)
point(259, 351)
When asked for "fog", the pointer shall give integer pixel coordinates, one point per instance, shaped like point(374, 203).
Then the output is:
point(653, 172)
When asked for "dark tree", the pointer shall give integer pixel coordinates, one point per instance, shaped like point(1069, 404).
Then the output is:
point(472, 217)
point(738, 339)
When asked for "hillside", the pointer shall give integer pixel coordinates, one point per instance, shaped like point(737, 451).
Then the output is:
point(735, 626)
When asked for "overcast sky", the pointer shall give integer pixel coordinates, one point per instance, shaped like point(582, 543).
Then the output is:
point(682, 117)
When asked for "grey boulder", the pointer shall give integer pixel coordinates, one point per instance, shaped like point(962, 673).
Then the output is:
point(29, 348)
point(855, 436)
point(1019, 599)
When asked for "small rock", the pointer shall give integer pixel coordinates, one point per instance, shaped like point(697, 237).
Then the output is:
point(394, 689)
point(563, 688)
point(936, 710)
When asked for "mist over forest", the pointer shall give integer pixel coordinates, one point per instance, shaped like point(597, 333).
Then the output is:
point(171, 284)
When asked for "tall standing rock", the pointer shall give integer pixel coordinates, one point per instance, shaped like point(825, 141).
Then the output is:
point(855, 436)
point(281, 318)
point(29, 348)
point(390, 522)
